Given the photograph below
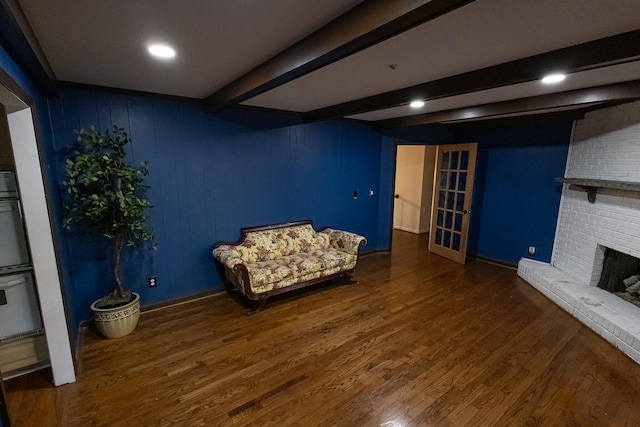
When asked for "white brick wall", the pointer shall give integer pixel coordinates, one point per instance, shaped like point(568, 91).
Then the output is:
point(605, 145)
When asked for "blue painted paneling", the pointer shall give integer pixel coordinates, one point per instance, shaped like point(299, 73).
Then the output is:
point(385, 192)
point(431, 134)
point(516, 201)
point(45, 146)
point(211, 176)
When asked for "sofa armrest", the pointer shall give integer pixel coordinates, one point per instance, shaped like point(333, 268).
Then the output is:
point(235, 269)
point(345, 241)
point(228, 256)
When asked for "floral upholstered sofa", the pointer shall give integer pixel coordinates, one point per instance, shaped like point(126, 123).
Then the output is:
point(274, 259)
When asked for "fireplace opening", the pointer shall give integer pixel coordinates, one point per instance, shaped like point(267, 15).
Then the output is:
point(621, 275)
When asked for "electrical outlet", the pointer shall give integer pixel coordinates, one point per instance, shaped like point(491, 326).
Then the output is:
point(532, 250)
point(152, 281)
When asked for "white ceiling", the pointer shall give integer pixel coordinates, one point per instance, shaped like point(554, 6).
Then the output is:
point(600, 76)
point(104, 42)
point(217, 41)
point(478, 35)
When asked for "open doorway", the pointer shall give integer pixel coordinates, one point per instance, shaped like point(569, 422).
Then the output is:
point(413, 191)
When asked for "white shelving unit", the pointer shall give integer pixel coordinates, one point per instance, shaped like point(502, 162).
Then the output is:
point(22, 342)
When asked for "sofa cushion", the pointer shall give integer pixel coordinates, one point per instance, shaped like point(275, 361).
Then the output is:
point(266, 245)
point(265, 272)
point(259, 246)
point(302, 263)
point(298, 265)
point(287, 281)
point(291, 280)
point(301, 239)
point(332, 258)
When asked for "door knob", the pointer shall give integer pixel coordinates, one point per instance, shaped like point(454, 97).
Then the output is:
point(396, 196)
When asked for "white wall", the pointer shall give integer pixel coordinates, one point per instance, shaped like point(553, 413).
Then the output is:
point(427, 187)
point(409, 173)
point(414, 185)
point(605, 145)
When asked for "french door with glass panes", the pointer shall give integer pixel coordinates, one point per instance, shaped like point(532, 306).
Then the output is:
point(455, 172)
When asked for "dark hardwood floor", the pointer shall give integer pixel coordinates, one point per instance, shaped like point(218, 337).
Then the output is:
point(419, 341)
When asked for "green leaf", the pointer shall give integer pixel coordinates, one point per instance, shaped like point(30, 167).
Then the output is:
point(104, 192)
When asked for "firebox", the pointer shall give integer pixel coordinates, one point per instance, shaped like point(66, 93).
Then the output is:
point(621, 275)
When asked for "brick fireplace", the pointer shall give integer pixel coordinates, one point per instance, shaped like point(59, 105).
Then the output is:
point(605, 146)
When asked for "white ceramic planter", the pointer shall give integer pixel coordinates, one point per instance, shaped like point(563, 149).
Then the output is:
point(117, 322)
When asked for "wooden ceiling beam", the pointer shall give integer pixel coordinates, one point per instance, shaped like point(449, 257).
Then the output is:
point(602, 94)
point(368, 23)
point(620, 48)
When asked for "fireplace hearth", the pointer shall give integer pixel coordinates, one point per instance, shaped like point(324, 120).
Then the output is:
point(604, 152)
point(608, 315)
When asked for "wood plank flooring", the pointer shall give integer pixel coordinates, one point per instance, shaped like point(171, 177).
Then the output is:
point(419, 341)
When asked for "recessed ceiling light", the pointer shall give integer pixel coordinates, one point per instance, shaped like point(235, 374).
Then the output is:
point(417, 104)
point(553, 78)
point(162, 51)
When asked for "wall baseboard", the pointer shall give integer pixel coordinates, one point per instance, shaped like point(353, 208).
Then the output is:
point(493, 261)
point(181, 301)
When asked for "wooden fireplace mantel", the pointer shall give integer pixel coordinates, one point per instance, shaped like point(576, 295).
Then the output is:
point(591, 186)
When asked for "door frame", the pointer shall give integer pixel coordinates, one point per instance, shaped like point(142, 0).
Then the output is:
point(393, 183)
point(401, 196)
point(38, 216)
point(4, 409)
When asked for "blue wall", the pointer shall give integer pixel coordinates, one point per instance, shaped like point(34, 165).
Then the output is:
point(42, 124)
point(516, 201)
point(385, 192)
point(211, 176)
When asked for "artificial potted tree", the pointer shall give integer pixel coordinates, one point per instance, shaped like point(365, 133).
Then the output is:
point(106, 195)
